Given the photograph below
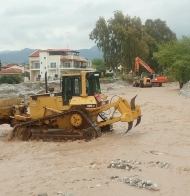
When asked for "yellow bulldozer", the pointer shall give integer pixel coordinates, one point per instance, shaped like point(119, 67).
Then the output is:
point(76, 112)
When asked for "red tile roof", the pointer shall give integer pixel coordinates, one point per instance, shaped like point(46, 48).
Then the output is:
point(36, 53)
point(11, 71)
point(80, 60)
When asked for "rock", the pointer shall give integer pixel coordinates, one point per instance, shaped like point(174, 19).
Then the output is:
point(126, 180)
point(43, 194)
point(141, 183)
point(155, 185)
point(114, 177)
point(162, 165)
point(112, 165)
point(93, 166)
point(67, 194)
point(59, 193)
point(166, 165)
point(122, 164)
point(148, 183)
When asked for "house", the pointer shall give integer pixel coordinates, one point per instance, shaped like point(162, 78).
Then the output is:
point(11, 69)
point(12, 65)
point(56, 62)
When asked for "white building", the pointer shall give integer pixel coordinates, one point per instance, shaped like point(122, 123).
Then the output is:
point(56, 62)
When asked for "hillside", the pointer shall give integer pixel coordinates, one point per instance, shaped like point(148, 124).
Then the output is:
point(22, 56)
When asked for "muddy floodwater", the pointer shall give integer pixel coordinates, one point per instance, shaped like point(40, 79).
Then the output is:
point(157, 151)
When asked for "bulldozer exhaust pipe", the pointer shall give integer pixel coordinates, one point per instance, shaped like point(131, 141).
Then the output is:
point(46, 85)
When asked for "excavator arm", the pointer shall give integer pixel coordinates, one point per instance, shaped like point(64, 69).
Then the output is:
point(138, 62)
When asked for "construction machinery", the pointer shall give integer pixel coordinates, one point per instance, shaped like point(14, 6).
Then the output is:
point(149, 80)
point(76, 112)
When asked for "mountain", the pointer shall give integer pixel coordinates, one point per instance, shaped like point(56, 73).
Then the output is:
point(91, 53)
point(22, 56)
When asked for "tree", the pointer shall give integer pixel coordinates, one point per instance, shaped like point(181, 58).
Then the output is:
point(175, 57)
point(120, 39)
point(158, 30)
point(99, 64)
point(157, 33)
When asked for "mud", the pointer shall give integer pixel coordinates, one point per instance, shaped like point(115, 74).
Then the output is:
point(81, 168)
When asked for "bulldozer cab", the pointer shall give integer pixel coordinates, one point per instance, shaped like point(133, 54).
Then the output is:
point(151, 76)
point(92, 84)
point(84, 84)
point(70, 87)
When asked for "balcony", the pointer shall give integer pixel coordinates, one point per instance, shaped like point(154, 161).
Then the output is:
point(52, 67)
point(65, 65)
point(35, 67)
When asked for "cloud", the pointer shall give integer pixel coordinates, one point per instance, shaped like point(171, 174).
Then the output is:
point(60, 24)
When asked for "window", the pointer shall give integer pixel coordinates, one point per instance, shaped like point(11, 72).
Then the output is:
point(67, 64)
point(71, 86)
point(76, 64)
point(36, 65)
point(93, 85)
point(77, 86)
point(53, 65)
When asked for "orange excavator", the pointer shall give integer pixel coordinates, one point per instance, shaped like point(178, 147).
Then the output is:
point(151, 79)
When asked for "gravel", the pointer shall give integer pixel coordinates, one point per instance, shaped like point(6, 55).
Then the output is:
point(185, 90)
point(24, 90)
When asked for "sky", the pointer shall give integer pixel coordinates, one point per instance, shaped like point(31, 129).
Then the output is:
point(62, 24)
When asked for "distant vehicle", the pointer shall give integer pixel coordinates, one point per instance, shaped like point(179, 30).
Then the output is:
point(149, 80)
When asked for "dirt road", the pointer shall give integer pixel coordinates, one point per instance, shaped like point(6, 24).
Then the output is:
point(81, 168)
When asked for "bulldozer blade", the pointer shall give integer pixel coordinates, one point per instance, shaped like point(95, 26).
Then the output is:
point(138, 121)
point(133, 103)
point(130, 126)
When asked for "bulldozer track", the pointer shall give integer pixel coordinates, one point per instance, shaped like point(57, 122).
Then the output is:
point(30, 129)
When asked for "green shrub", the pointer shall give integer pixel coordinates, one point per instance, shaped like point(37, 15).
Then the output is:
point(171, 78)
point(10, 79)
